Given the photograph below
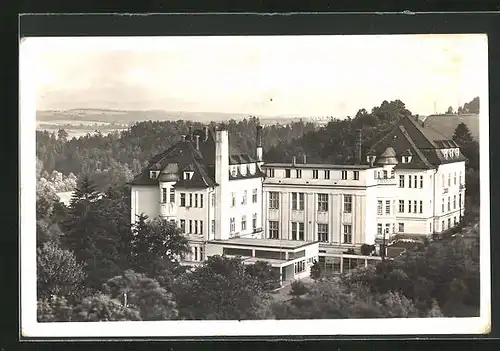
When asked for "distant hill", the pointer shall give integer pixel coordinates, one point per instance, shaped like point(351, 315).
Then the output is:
point(131, 116)
point(446, 124)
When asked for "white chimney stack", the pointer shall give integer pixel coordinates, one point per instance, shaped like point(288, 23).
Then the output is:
point(222, 179)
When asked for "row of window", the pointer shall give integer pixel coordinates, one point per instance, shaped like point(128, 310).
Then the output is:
point(443, 179)
point(298, 202)
point(300, 266)
point(449, 207)
point(197, 253)
point(325, 174)
point(244, 197)
point(232, 223)
point(297, 231)
point(189, 226)
point(190, 200)
point(418, 182)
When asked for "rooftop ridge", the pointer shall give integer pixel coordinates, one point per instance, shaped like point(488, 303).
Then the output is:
point(415, 148)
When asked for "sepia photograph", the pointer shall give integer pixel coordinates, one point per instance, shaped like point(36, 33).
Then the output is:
point(254, 185)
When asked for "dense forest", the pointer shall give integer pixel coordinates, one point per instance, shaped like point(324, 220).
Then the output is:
point(93, 266)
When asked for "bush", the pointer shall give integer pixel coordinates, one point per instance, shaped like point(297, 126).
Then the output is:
point(298, 288)
point(367, 250)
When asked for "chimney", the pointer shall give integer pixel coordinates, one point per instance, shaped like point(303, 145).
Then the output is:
point(183, 137)
point(197, 138)
point(222, 179)
point(259, 142)
point(294, 160)
point(304, 158)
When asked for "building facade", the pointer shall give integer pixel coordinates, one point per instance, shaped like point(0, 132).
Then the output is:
point(411, 182)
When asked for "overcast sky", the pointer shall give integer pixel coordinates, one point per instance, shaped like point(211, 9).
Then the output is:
point(293, 75)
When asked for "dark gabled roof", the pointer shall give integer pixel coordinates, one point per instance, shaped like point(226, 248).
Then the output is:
point(189, 158)
point(447, 124)
point(410, 138)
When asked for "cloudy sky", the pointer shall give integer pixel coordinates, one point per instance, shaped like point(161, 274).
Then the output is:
point(293, 75)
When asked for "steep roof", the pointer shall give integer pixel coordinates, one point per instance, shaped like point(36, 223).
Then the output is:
point(447, 124)
point(187, 157)
point(410, 137)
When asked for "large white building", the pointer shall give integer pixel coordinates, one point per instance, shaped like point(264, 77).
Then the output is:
point(289, 214)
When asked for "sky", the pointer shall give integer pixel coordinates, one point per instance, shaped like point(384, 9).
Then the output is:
point(271, 75)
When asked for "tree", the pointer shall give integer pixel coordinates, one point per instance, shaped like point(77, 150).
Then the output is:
point(100, 307)
point(156, 240)
point(315, 270)
point(298, 288)
point(144, 294)
point(58, 273)
point(450, 111)
point(462, 135)
point(265, 274)
point(220, 289)
point(54, 309)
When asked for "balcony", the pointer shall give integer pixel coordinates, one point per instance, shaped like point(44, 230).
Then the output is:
point(167, 209)
point(445, 191)
point(386, 181)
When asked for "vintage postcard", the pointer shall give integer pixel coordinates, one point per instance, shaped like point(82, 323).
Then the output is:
point(254, 186)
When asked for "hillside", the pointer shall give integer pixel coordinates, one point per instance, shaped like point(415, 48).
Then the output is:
point(446, 124)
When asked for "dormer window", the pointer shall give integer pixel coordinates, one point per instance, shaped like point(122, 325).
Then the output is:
point(233, 171)
point(406, 159)
point(188, 175)
point(445, 153)
point(154, 174)
point(457, 152)
point(244, 169)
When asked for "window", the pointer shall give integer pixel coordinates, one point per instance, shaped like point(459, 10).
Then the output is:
point(273, 229)
point(213, 200)
point(243, 223)
point(232, 225)
point(409, 181)
point(213, 226)
point(455, 178)
point(297, 230)
point(449, 223)
point(421, 208)
point(201, 200)
point(183, 225)
point(323, 202)
point(244, 200)
point(387, 228)
point(323, 232)
point(385, 174)
point(287, 173)
point(183, 199)
point(401, 181)
point(409, 206)
point(415, 182)
point(201, 227)
point(442, 225)
point(347, 234)
point(298, 173)
point(392, 173)
point(254, 221)
point(379, 228)
point(315, 174)
point(195, 200)
point(188, 175)
point(190, 226)
point(270, 173)
point(442, 205)
point(190, 200)
point(401, 227)
point(327, 174)
point(449, 179)
point(274, 200)
point(442, 180)
point(254, 196)
point(415, 206)
point(300, 266)
point(356, 175)
point(449, 204)
point(195, 253)
point(379, 207)
point(195, 226)
point(401, 206)
point(298, 201)
point(459, 199)
point(430, 227)
point(153, 174)
point(233, 199)
point(344, 175)
point(421, 182)
point(454, 202)
point(387, 207)
point(347, 203)
point(172, 195)
point(164, 195)
point(460, 178)
point(201, 253)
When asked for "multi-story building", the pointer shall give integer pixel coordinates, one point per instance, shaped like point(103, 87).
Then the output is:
point(411, 183)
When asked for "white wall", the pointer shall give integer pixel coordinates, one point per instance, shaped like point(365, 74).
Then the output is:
point(238, 186)
point(145, 199)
